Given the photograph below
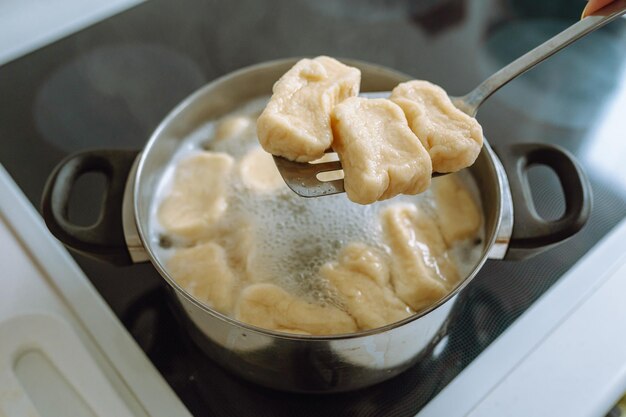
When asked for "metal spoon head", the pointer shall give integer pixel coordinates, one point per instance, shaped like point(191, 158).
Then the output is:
point(301, 177)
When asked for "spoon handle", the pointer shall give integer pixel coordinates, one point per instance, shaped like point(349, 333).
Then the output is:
point(470, 102)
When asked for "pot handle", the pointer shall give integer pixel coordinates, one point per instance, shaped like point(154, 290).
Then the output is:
point(103, 240)
point(533, 234)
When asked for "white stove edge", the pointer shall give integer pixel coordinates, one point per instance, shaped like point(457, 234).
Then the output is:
point(132, 367)
point(564, 356)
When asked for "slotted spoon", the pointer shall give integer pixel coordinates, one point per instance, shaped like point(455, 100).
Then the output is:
point(302, 178)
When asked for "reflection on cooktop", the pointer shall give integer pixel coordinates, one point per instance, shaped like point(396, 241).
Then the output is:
point(95, 99)
point(570, 88)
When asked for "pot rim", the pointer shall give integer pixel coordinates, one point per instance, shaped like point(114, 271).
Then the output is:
point(144, 236)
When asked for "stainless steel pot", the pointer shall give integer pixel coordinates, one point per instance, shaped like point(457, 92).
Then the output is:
point(295, 362)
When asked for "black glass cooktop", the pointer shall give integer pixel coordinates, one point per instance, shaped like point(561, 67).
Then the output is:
point(110, 85)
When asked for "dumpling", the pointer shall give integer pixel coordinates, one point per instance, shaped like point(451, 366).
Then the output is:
point(204, 272)
point(381, 157)
point(421, 272)
point(259, 173)
point(231, 127)
point(269, 306)
point(452, 138)
point(296, 122)
point(198, 195)
point(239, 238)
point(458, 216)
point(361, 279)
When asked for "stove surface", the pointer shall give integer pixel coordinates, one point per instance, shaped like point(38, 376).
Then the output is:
point(111, 84)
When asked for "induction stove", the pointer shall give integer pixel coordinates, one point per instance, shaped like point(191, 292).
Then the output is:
point(110, 84)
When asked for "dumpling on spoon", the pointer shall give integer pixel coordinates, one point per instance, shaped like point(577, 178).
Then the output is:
point(381, 157)
point(452, 138)
point(296, 122)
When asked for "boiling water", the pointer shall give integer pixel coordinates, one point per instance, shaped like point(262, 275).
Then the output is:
point(293, 236)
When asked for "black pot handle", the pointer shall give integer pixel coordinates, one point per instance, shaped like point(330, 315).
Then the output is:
point(103, 240)
point(533, 234)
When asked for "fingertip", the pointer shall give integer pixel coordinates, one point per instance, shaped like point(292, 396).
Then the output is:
point(585, 11)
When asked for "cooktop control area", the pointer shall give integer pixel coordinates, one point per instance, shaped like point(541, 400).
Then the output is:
point(110, 84)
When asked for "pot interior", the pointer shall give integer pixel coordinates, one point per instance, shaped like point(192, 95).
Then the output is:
point(226, 94)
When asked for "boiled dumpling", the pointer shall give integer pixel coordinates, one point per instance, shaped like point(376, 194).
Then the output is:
point(239, 237)
point(421, 270)
point(270, 307)
point(231, 127)
point(361, 279)
point(452, 138)
point(197, 198)
point(296, 122)
point(259, 173)
point(458, 215)
point(204, 272)
point(381, 157)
